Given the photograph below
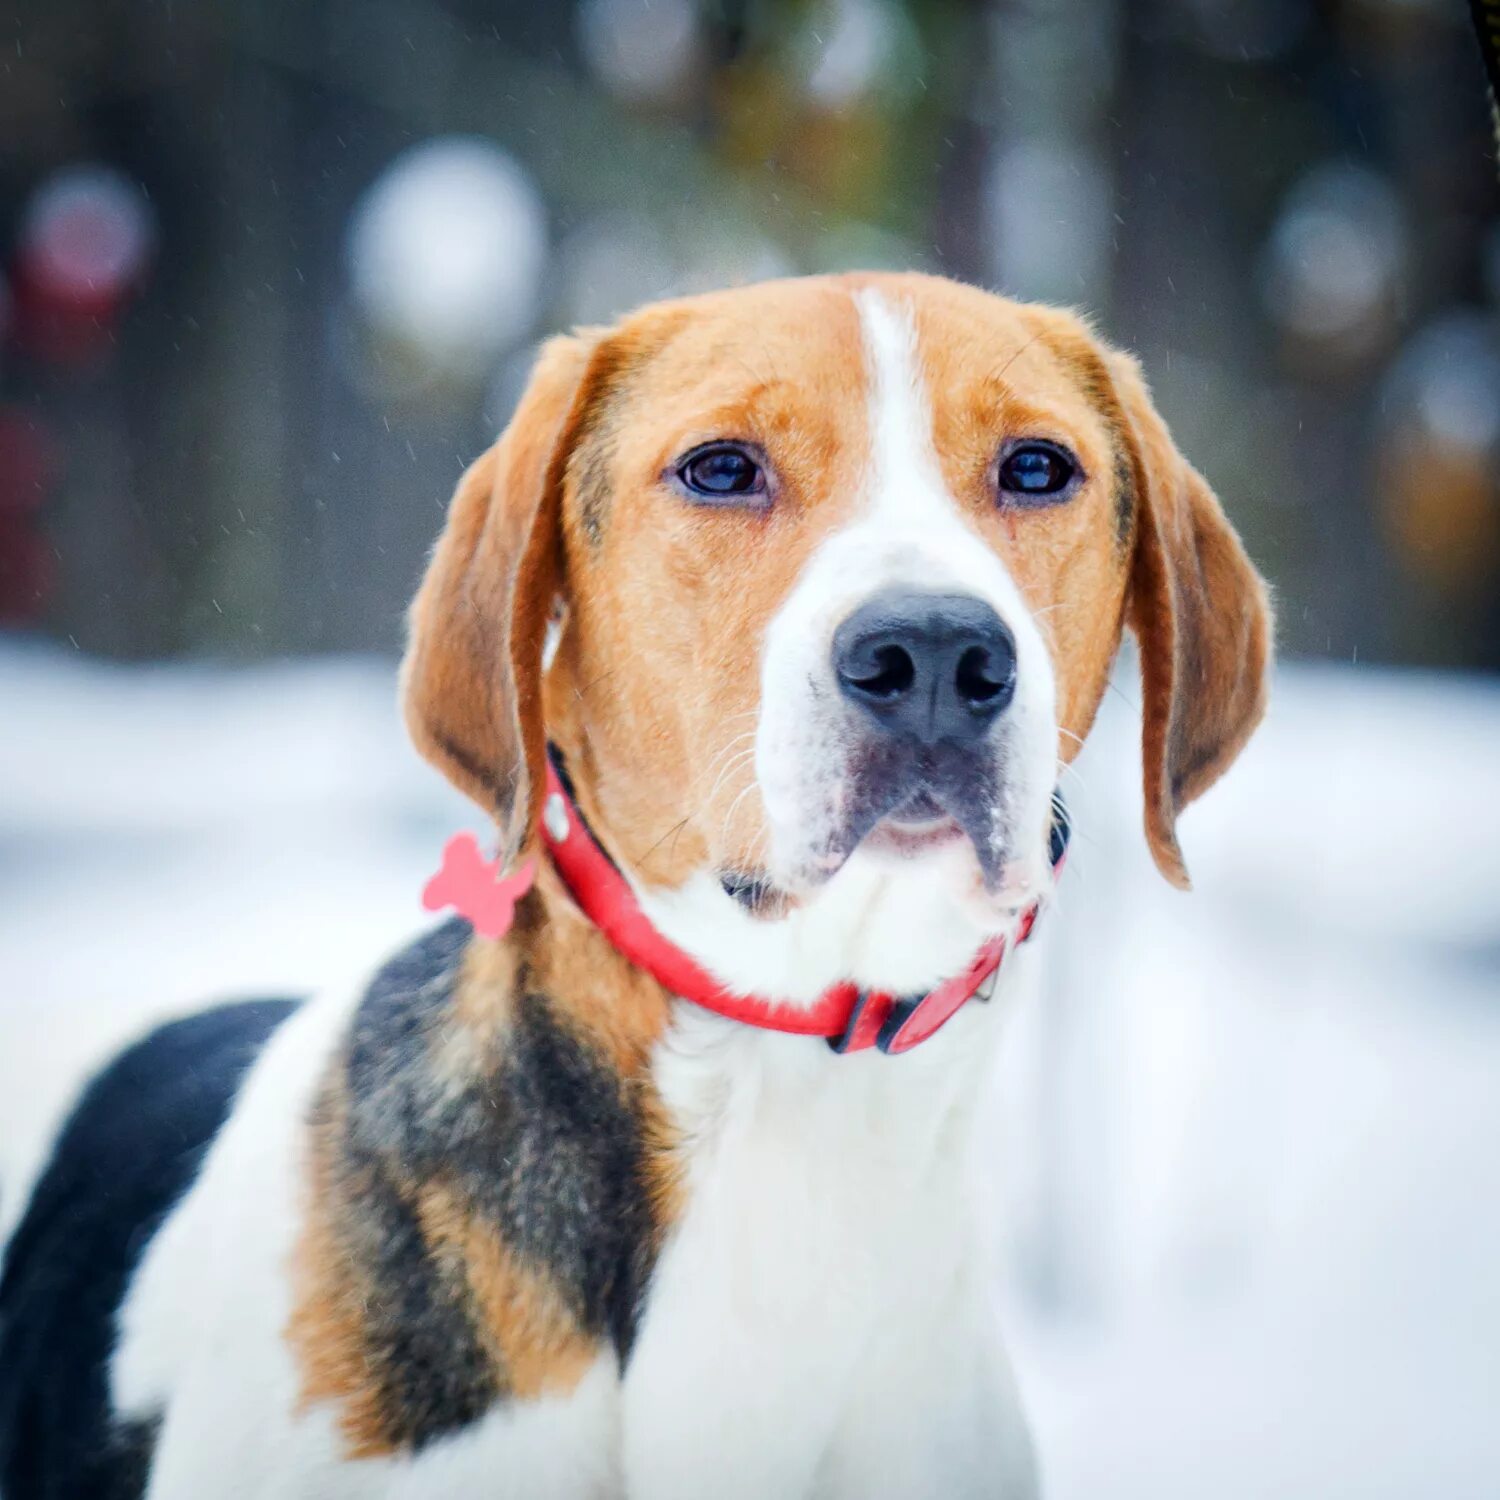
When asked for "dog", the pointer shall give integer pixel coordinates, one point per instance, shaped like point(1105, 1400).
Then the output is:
point(761, 635)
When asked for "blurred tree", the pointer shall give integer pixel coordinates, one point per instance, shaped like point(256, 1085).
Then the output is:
point(1274, 203)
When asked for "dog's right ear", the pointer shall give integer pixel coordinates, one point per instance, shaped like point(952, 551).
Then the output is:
point(471, 680)
point(1202, 618)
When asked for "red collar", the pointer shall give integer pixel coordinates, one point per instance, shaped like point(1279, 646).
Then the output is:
point(850, 1018)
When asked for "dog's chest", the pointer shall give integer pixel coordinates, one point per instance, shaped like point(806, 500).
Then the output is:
point(827, 1207)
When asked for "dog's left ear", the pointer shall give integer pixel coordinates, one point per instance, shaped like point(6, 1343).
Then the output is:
point(471, 680)
point(1202, 619)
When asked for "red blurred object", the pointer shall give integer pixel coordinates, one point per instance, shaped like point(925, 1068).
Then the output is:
point(85, 245)
point(29, 469)
point(28, 572)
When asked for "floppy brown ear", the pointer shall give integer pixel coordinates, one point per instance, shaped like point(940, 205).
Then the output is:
point(1202, 620)
point(471, 680)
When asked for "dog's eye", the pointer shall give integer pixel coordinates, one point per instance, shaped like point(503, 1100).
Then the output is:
point(1036, 470)
point(723, 472)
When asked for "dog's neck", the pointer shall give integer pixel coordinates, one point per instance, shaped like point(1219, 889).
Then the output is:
point(584, 893)
point(881, 925)
point(708, 1070)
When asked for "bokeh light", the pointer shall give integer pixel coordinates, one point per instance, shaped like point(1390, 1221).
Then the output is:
point(446, 252)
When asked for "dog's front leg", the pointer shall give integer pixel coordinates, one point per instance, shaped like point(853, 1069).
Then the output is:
point(934, 1411)
point(730, 1395)
point(726, 1424)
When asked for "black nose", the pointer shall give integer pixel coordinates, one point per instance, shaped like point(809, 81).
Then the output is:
point(930, 666)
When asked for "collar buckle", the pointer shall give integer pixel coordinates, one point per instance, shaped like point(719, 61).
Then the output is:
point(866, 1024)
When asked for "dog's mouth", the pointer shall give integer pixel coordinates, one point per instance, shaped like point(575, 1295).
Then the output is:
point(898, 807)
point(916, 826)
point(906, 800)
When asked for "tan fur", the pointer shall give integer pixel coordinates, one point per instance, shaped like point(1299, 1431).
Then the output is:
point(623, 1013)
point(1203, 619)
point(470, 678)
point(326, 1328)
point(618, 1009)
point(534, 1337)
point(531, 1333)
point(672, 593)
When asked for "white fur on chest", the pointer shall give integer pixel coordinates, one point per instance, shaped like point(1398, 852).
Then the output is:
point(826, 1288)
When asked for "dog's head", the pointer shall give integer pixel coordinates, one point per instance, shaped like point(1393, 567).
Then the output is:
point(814, 583)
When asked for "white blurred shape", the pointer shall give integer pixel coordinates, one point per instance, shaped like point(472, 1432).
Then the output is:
point(1335, 255)
point(1448, 380)
point(446, 252)
point(853, 42)
point(1047, 207)
point(87, 233)
point(640, 49)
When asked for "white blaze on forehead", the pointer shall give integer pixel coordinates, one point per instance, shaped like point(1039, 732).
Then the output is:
point(903, 466)
point(910, 531)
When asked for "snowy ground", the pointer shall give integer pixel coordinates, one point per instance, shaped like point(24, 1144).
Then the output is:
point(1252, 1138)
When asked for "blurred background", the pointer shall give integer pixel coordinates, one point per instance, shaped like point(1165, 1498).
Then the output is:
point(272, 274)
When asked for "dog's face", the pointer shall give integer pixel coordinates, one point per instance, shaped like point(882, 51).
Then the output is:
point(836, 570)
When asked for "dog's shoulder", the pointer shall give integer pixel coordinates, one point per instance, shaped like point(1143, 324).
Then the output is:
point(489, 1186)
point(131, 1147)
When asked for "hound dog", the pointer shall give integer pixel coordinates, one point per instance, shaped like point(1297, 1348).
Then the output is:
point(761, 634)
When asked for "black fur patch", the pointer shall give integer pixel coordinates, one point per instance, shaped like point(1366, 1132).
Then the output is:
point(543, 1141)
point(1127, 499)
point(128, 1152)
point(422, 1341)
point(572, 1194)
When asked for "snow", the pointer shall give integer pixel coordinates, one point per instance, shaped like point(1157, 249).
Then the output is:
point(1250, 1141)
